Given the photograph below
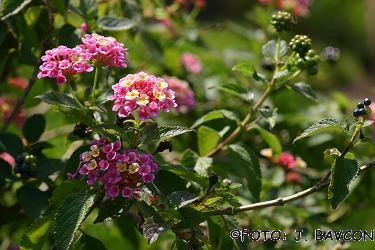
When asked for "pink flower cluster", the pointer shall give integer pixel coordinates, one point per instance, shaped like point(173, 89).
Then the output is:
point(118, 170)
point(104, 51)
point(6, 108)
point(191, 63)
point(64, 63)
point(184, 96)
point(148, 93)
point(298, 7)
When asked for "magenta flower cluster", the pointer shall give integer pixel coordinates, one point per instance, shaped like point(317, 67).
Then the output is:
point(148, 93)
point(184, 96)
point(64, 63)
point(118, 170)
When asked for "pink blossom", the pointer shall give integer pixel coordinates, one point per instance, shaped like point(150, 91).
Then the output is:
point(127, 192)
point(64, 63)
point(8, 158)
point(146, 92)
point(287, 160)
point(148, 178)
point(104, 51)
point(184, 96)
point(293, 177)
point(191, 63)
point(84, 27)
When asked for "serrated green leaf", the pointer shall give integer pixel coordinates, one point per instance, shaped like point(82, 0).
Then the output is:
point(152, 230)
point(245, 68)
point(59, 99)
point(80, 116)
point(47, 167)
point(237, 90)
point(330, 155)
point(233, 225)
point(166, 132)
point(67, 36)
point(186, 173)
point(73, 162)
point(178, 199)
point(17, 26)
point(244, 163)
point(271, 140)
point(34, 127)
point(115, 23)
point(230, 198)
point(32, 200)
point(12, 7)
point(36, 234)
point(269, 50)
point(149, 212)
point(165, 183)
point(89, 8)
point(114, 208)
point(208, 139)
point(69, 216)
point(103, 98)
point(269, 116)
point(304, 89)
point(326, 124)
point(112, 129)
point(11, 144)
point(150, 129)
point(66, 188)
point(87, 242)
point(343, 172)
point(215, 114)
point(203, 165)
point(189, 158)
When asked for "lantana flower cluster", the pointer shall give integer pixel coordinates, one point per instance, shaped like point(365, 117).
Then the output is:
point(64, 63)
point(299, 8)
point(148, 93)
point(118, 170)
point(184, 96)
point(191, 62)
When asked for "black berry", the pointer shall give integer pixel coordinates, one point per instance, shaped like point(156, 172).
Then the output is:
point(360, 105)
point(367, 102)
point(356, 113)
point(362, 111)
point(313, 70)
point(19, 159)
point(25, 168)
point(17, 169)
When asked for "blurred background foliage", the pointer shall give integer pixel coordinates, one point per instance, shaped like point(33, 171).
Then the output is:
point(223, 34)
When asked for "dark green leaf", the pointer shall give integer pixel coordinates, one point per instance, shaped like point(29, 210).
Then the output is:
point(186, 173)
point(180, 244)
point(32, 200)
point(114, 208)
point(80, 116)
point(189, 159)
point(208, 139)
point(11, 144)
point(111, 128)
point(34, 127)
point(237, 90)
point(269, 116)
point(215, 114)
point(6, 172)
point(26, 50)
point(149, 212)
point(74, 161)
point(178, 199)
point(17, 26)
point(66, 188)
point(69, 216)
point(115, 23)
point(166, 132)
point(12, 7)
point(59, 99)
point(271, 140)
point(153, 46)
point(230, 198)
point(87, 242)
point(89, 8)
point(244, 163)
point(304, 89)
point(36, 234)
point(165, 183)
point(233, 225)
point(67, 36)
point(343, 172)
point(326, 124)
point(103, 98)
point(47, 167)
point(132, 9)
point(152, 230)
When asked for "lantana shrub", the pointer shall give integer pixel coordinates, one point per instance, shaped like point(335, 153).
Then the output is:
point(152, 152)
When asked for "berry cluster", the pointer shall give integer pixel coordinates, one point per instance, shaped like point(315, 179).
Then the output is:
point(25, 165)
point(361, 111)
point(282, 21)
point(300, 44)
point(118, 170)
point(309, 62)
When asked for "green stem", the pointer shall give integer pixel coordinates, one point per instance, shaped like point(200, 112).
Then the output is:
point(74, 96)
point(97, 73)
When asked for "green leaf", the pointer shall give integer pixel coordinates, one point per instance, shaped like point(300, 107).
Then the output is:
point(148, 212)
point(67, 36)
point(73, 162)
point(202, 165)
point(271, 140)
point(87, 242)
point(233, 225)
point(180, 244)
point(247, 69)
point(213, 115)
point(36, 234)
point(304, 89)
point(34, 127)
point(269, 50)
point(186, 173)
point(165, 183)
point(230, 198)
point(115, 23)
point(269, 116)
point(343, 172)
point(66, 188)
point(80, 116)
point(237, 90)
point(12, 7)
point(103, 98)
point(367, 123)
point(32, 200)
point(89, 8)
point(32, 15)
point(114, 208)
point(189, 158)
point(245, 164)
point(152, 230)
point(11, 144)
point(133, 10)
point(59, 99)
point(17, 26)
point(69, 216)
point(369, 141)
point(326, 124)
point(208, 139)
point(112, 129)
point(47, 167)
point(6, 172)
point(178, 199)
point(165, 132)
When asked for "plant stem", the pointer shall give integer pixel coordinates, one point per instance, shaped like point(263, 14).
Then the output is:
point(96, 79)
point(74, 96)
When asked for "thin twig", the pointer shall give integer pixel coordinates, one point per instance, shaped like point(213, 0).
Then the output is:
point(283, 200)
point(45, 45)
